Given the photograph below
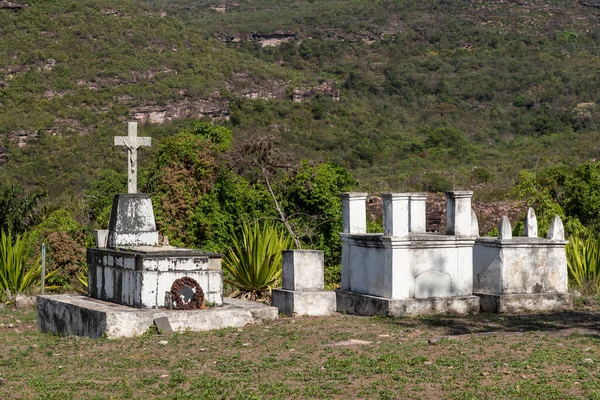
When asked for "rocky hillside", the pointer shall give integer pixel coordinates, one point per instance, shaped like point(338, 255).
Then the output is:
point(426, 95)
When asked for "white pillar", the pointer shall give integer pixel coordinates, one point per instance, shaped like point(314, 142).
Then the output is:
point(458, 213)
point(504, 228)
point(474, 224)
point(395, 214)
point(556, 230)
point(354, 212)
point(531, 226)
point(417, 215)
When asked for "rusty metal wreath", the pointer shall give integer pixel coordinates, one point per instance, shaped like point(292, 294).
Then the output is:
point(196, 303)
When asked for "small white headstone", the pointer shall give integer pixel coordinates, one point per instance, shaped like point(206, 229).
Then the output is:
point(504, 228)
point(556, 231)
point(474, 224)
point(531, 227)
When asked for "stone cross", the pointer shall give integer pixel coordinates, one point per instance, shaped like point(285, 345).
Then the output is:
point(132, 142)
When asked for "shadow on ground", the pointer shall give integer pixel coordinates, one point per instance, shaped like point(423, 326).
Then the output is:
point(561, 323)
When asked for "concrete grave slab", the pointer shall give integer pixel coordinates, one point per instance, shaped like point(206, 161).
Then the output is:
point(312, 303)
point(303, 282)
point(362, 304)
point(84, 316)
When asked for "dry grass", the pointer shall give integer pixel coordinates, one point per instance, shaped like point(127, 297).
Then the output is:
point(486, 356)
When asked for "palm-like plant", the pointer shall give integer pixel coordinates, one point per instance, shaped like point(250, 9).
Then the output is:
point(254, 260)
point(583, 260)
point(17, 271)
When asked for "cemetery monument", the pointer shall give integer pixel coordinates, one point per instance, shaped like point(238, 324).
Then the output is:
point(133, 281)
point(406, 270)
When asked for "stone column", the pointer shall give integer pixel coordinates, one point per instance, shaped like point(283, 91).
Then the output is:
point(354, 212)
point(417, 215)
point(458, 213)
point(395, 214)
point(531, 226)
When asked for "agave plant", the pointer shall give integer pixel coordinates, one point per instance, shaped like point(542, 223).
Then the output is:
point(583, 260)
point(254, 260)
point(17, 271)
point(82, 278)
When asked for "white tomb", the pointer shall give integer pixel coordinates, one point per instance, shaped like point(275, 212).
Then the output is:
point(406, 270)
point(135, 271)
point(513, 274)
point(132, 280)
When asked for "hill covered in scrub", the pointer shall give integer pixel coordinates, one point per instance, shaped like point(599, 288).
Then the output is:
point(406, 95)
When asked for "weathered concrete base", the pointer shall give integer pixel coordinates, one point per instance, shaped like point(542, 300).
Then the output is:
point(362, 304)
point(509, 303)
point(313, 303)
point(84, 316)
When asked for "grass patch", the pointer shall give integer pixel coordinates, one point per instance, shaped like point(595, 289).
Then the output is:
point(538, 356)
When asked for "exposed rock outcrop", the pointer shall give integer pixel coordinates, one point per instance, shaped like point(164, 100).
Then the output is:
point(274, 39)
point(21, 137)
point(326, 89)
point(243, 84)
point(264, 39)
point(215, 107)
point(11, 6)
point(110, 11)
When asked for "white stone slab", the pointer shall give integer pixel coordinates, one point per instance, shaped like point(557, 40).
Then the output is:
point(83, 316)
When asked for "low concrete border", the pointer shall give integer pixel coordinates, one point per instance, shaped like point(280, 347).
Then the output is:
point(513, 303)
point(362, 304)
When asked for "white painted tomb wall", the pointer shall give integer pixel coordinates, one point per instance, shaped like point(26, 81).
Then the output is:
point(139, 277)
point(402, 263)
point(521, 265)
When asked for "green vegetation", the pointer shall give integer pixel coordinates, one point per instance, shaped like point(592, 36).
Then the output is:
point(19, 211)
point(254, 259)
point(583, 258)
point(429, 91)
point(382, 96)
point(18, 272)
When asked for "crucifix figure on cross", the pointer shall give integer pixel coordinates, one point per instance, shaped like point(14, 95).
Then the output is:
point(132, 142)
